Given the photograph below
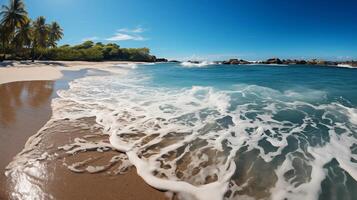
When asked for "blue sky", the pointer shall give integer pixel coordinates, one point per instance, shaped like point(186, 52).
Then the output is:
point(213, 30)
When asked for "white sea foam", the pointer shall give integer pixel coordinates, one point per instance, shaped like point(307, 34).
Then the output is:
point(206, 143)
point(127, 66)
point(200, 64)
point(170, 135)
point(345, 66)
point(259, 64)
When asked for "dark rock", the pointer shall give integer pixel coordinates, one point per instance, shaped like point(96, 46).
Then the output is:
point(273, 61)
point(244, 62)
point(301, 62)
point(235, 62)
point(312, 62)
point(161, 60)
point(194, 62)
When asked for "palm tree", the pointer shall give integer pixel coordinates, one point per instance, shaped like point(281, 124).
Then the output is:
point(23, 36)
point(55, 34)
point(3, 37)
point(13, 16)
point(40, 35)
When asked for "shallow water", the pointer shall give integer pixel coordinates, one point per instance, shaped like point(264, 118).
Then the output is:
point(213, 132)
point(24, 108)
point(65, 159)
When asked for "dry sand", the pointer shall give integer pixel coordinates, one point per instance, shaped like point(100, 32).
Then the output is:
point(24, 109)
point(11, 71)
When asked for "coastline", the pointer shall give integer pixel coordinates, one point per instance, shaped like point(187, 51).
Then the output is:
point(12, 71)
point(123, 186)
point(76, 150)
point(16, 123)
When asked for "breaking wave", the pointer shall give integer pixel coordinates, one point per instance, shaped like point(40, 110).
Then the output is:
point(247, 142)
point(200, 64)
point(204, 143)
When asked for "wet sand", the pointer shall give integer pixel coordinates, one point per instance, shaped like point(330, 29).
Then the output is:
point(24, 109)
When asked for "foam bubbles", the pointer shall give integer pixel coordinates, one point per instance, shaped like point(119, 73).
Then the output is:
point(199, 64)
point(204, 143)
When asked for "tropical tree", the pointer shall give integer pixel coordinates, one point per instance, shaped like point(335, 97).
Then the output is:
point(23, 36)
point(40, 35)
point(55, 34)
point(14, 16)
point(4, 39)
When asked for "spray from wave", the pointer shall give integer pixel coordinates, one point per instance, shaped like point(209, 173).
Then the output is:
point(196, 64)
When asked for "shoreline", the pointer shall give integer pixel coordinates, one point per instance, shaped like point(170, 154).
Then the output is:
point(79, 154)
point(12, 71)
point(125, 186)
point(16, 124)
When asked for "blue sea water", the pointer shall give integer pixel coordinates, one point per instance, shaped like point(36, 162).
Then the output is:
point(257, 131)
point(339, 84)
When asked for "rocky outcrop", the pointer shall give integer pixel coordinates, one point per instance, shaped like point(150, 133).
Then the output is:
point(298, 62)
point(231, 62)
point(323, 62)
point(194, 61)
point(174, 61)
point(301, 62)
point(312, 62)
point(273, 61)
point(294, 62)
point(161, 60)
point(235, 62)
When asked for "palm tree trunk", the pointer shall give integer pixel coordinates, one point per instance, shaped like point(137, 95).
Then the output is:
point(33, 54)
point(3, 50)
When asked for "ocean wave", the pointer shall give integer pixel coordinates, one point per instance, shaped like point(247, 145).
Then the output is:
point(259, 64)
point(200, 64)
point(345, 66)
point(207, 143)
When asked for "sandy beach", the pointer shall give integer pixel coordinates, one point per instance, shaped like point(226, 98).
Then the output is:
point(178, 100)
point(11, 71)
point(45, 169)
point(118, 130)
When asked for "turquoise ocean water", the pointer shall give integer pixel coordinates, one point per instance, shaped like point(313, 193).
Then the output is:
point(240, 131)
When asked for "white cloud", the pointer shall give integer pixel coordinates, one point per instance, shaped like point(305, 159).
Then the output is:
point(128, 34)
point(135, 30)
point(123, 36)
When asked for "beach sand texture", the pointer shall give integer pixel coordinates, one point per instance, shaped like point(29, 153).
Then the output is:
point(11, 71)
point(45, 169)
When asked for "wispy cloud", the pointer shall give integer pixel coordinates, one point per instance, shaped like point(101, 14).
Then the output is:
point(128, 34)
point(124, 36)
point(135, 30)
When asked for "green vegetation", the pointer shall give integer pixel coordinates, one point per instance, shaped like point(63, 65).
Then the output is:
point(22, 39)
point(88, 51)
